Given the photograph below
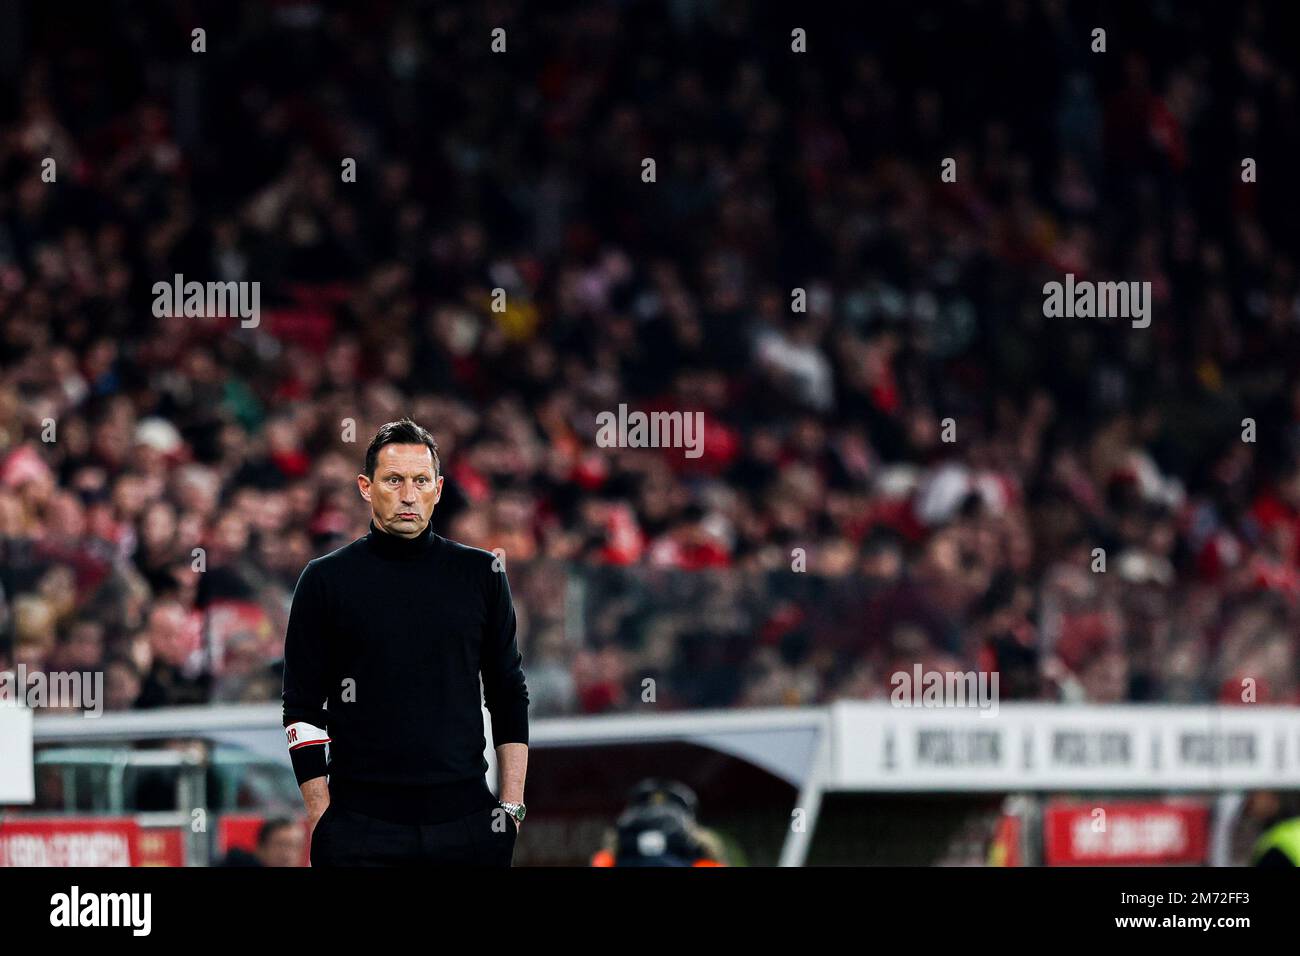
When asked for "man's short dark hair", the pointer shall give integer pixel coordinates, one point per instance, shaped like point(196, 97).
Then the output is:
point(270, 827)
point(401, 432)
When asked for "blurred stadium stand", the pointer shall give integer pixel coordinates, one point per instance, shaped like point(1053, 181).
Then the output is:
point(776, 170)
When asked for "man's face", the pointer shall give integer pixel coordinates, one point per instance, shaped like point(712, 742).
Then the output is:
point(404, 491)
point(283, 847)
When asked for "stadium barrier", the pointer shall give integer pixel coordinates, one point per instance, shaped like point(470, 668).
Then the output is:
point(874, 747)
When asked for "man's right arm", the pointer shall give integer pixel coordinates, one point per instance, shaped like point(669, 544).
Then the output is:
point(316, 796)
point(306, 690)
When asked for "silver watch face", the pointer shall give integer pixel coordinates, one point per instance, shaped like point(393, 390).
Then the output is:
point(516, 810)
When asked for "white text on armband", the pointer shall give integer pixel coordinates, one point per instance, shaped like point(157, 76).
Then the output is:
point(303, 734)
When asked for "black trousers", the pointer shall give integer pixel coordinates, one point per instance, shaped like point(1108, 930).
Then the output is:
point(344, 837)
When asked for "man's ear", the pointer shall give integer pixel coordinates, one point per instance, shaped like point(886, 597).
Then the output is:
point(363, 486)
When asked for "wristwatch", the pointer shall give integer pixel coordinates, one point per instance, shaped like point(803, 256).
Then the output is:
point(516, 810)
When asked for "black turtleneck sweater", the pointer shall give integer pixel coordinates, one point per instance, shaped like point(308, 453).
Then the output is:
point(386, 640)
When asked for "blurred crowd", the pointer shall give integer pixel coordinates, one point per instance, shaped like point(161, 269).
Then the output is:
point(1104, 527)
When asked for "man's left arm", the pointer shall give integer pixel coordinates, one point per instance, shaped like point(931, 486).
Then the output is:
point(504, 690)
point(512, 767)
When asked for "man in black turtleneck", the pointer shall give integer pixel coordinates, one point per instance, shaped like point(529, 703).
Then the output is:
point(386, 642)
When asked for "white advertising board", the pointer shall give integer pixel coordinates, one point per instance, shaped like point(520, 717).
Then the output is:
point(876, 746)
point(16, 782)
